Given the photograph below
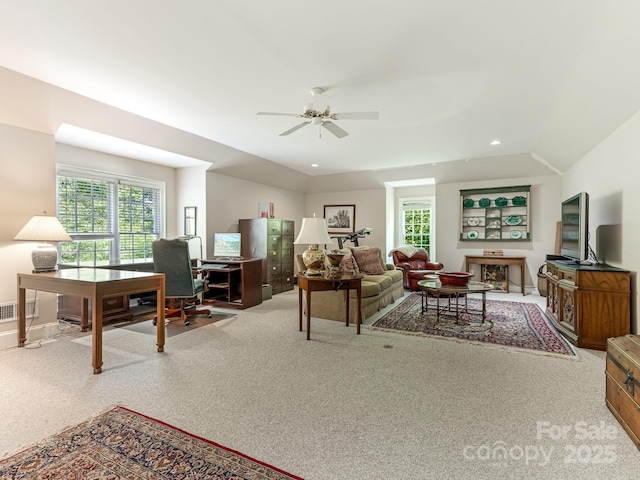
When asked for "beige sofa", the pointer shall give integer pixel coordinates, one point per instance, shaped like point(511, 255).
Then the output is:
point(378, 290)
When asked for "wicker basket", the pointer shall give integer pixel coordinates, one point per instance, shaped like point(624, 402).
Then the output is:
point(542, 282)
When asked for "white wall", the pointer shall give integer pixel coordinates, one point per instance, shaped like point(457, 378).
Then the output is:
point(609, 173)
point(370, 212)
point(545, 200)
point(27, 170)
point(229, 199)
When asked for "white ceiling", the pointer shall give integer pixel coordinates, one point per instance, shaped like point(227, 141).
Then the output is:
point(549, 78)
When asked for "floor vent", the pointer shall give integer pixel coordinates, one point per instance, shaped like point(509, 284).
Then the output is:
point(9, 310)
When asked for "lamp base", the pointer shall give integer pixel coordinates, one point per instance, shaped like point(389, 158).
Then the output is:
point(44, 258)
point(313, 259)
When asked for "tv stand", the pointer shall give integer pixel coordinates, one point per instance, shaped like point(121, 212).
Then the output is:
point(232, 283)
point(588, 303)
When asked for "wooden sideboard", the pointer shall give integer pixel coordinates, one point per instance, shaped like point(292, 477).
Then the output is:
point(498, 260)
point(588, 303)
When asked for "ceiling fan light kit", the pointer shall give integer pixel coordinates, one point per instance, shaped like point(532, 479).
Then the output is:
point(324, 118)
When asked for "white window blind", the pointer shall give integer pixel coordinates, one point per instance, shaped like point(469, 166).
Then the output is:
point(111, 220)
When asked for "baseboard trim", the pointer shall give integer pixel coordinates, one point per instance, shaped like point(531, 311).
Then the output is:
point(9, 339)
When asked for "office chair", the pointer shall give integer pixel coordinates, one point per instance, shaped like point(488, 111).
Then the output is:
point(172, 258)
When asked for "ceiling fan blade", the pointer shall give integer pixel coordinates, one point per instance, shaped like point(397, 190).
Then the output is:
point(335, 129)
point(297, 127)
point(279, 114)
point(356, 116)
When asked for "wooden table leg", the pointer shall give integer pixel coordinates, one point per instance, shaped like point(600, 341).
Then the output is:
point(346, 292)
point(522, 277)
point(308, 313)
point(160, 327)
point(96, 337)
point(300, 307)
point(22, 317)
point(359, 315)
point(84, 314)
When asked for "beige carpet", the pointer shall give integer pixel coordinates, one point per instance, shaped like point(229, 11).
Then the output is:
point(341, 406)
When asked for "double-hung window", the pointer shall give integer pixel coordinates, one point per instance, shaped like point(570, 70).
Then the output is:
point(111, 219)
point(417, 228)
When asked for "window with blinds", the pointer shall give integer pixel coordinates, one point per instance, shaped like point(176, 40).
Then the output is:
point(110, 220)
point(416, 222)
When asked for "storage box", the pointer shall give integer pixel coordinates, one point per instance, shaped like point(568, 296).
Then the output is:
point(623, 383)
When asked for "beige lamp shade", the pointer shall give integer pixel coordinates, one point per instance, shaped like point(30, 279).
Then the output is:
point(43, 228)
point(313, 232)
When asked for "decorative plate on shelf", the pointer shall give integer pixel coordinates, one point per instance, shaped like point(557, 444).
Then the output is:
point(519, 201)
point(501, 202)
point(473, 221)
point(484, 202)
point(513, 220)
point(516, 234)
point(472, 234)
point(493, 236)
point(467, 203)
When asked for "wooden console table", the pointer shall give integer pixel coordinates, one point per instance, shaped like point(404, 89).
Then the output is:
point(319, 283)
point(497, 260)
point(93, 284)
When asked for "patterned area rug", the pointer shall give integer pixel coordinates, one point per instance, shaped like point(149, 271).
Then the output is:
point(123, 444)
point(515, 325)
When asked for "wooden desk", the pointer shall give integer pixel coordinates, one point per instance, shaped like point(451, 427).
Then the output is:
point(92, 284)
point(318, 283)
point(497, 260)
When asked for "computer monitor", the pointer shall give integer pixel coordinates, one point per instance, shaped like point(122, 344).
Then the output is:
point(227, 245)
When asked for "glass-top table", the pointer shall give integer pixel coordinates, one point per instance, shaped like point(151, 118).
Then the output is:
point(456, 298)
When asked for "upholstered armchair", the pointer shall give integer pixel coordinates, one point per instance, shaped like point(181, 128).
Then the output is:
point(414, 263)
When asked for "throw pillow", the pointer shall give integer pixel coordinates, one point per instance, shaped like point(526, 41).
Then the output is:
point(368, 261)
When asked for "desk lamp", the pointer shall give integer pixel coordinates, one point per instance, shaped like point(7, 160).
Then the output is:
point(42, 228)
point(313, 232)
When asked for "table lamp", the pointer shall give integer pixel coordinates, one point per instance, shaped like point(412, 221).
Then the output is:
point(314, 232)
point(43, 228)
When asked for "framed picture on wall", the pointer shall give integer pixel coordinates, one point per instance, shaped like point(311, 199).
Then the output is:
point(340, 218)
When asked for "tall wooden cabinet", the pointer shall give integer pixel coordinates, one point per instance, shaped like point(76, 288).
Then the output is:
point(588, 304)
point(271, 240)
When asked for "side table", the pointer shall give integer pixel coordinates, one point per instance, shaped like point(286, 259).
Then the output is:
point(317, 283)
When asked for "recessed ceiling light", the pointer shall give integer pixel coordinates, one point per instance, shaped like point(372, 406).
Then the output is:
point(496, 142)
point(314, 165)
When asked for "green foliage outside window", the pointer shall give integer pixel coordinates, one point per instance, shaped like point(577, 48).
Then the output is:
point(87, 210)
point(417, 228)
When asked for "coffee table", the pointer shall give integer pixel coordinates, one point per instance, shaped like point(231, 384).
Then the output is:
point(454, 293)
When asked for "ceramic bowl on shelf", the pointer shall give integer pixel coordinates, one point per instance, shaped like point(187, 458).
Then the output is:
point(468, 203)
point(484, 202)
point(460, 279)
point(513, 220)
point(516, 234)
point(501, 202)
point(472, 234)
point(473, 221)
point(519, 201)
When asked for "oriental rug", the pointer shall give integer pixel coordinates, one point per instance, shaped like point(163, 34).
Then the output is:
point(121, 443)
point(515, 325)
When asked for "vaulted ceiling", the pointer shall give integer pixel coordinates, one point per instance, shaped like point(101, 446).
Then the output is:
point(549, 78)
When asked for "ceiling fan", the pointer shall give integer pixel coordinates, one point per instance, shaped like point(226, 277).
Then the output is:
point(323, 117)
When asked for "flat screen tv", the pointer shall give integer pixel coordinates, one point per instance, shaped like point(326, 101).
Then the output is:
point(575, 228)
point(227, 245)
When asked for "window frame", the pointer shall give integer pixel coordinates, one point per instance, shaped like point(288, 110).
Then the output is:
point(428, 202)
point(113, 180)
